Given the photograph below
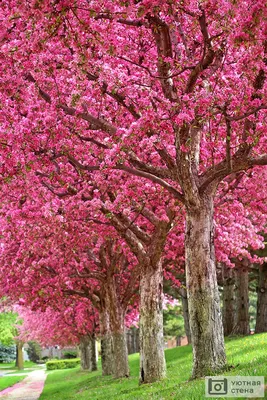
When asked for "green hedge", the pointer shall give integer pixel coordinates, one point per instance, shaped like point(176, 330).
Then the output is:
point(62, 364)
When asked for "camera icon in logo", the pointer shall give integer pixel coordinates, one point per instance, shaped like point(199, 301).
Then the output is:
point(217, 386)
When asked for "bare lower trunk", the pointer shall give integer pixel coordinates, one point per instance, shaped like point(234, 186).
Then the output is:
point(152, 358)
point(85, 353)
point(121, 365)
point(203, 295)
point(93, 354)
point(115, 315)
point(107, 355)
point(186, 317)
point(19, 356)
point(133, 340)
point(228, 300)
point(107, 358)
point(261, 319)
point(242, 301)
point(88, 353)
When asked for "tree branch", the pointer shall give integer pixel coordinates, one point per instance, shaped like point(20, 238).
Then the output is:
point(208, 56)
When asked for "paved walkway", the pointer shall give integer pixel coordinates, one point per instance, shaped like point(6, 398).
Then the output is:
point(28, 389)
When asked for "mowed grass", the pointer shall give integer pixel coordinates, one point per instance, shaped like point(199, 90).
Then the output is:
point(27, 364)
point(246, 355)
point(10, 380)
point(7, 381)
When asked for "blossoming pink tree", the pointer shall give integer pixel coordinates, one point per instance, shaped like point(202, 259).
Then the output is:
point(47, 259)
point(71, 324)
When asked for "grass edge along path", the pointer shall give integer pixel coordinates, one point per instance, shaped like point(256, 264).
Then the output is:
point(10, 380)
point(247, 354)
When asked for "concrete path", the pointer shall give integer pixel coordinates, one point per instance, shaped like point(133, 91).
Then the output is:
point(28, 389)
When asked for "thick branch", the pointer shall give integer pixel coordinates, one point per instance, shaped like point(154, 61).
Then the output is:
point(161, 33)
point(140, 234)
point(208, 55)
point(155, 179)
point(248, 113)
point(101, 123)
point(158, 171)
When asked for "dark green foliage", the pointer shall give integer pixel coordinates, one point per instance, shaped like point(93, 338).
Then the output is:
point(34, 351)
point(62, 364)
point(7, 353)
point(70, 354)
point(173, 321)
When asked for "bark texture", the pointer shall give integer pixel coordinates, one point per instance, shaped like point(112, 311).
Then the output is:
point(94, 355)
point(203, 295)
point(121, 367)
point(261, 318)
point(115, 314)
point(186, 316)
point(152, 358)
point(88, 353)
point(242, 301)
point(107, 358)
point(228, 300)
point(133, 340)
point(107, 354)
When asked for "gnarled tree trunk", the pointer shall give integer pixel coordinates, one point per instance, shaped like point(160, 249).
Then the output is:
point(152, 358)
point(228, 300)
point(203, 295)
point(88, 353)
point(242, 300)
point(261, 318)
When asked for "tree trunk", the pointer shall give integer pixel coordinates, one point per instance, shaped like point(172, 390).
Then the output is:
point(107, 355)
point(186, 317)
point(107, 358)
point(116, 311)
point(152, 358)
point(19, 355)
point(85, 353)
point(228, 300)
point(261, 318)
point(17, 361)
point(202, 290)
point(88, 353)
point(121, 367)
point(78, 351)
point(94, 355)
point(242, 301)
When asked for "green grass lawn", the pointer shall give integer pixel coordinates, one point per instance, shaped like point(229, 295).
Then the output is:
point(248, 355)
point(10, 380)
point(27, 364)
point(6, 381)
